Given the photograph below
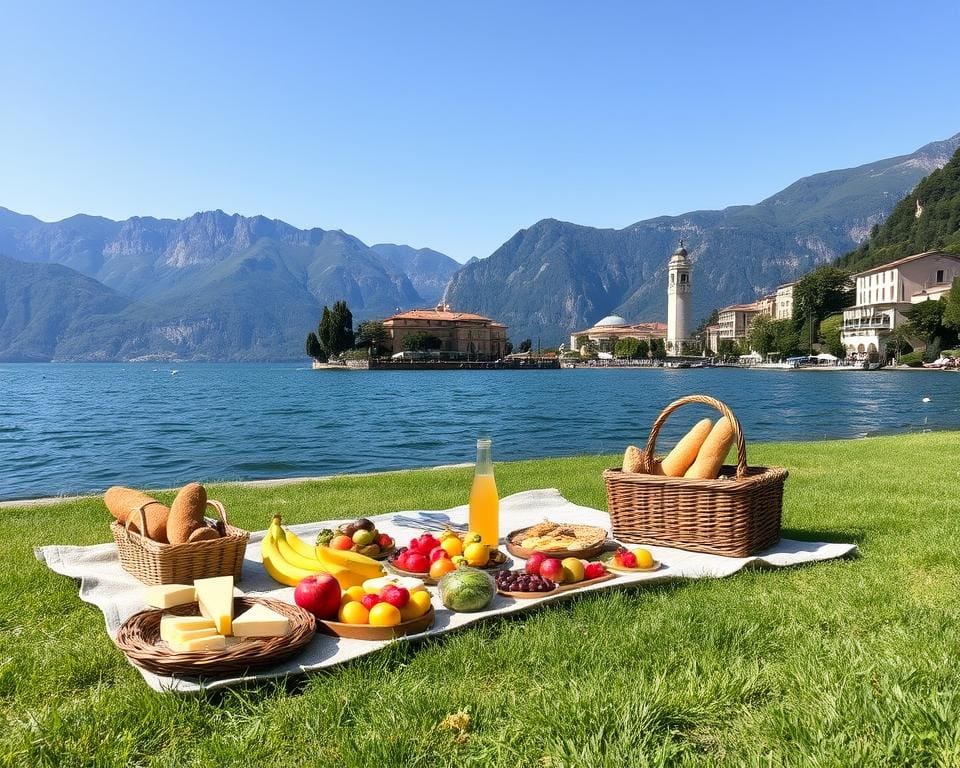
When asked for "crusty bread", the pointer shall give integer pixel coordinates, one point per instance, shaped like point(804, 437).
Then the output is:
point(205, 533)
point(186, 513)
point(713, 451)
point(684, 453)
point(631, 459)
point(125, 502)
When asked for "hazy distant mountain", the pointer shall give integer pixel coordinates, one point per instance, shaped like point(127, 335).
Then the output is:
point(211, 286)
point(428, 270)
point(555, 277)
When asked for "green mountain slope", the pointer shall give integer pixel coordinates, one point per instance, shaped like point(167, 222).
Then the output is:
point(905, 232)
point(557, 277)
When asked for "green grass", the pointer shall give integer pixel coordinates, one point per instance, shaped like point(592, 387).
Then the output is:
point(850, 662)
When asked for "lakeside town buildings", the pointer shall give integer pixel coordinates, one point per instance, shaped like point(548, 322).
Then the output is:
point(450, 334)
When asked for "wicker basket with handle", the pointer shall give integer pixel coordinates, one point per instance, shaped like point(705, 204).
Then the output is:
point(154, 563)
point(736, 515)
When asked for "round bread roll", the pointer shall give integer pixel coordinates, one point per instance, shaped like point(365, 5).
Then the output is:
point(125, 502)
point(632, 459)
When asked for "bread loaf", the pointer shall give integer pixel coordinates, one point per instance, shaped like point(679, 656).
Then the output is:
point(125, 502)
point(631, 459)
point(684, 453)
point(186, 514)
point(713, 451)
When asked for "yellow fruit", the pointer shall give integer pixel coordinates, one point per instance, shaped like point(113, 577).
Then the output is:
point(459, 560)
point(354, 613)
point(573, 570)
point(355, 593)
point(644, 558)
point(472, 537)
point(477, 554)
point(448, 534)
point(384, 615)
point(452, 546)
point(352, 561)
point(417, 605)
point(441, 566)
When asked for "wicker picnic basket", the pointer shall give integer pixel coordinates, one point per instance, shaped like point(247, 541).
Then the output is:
point(736, 515)
point(154, 563)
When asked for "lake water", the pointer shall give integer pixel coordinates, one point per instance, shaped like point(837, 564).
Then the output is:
point(77, 428)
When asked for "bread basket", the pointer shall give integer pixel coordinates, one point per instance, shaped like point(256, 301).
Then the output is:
point(736, 515)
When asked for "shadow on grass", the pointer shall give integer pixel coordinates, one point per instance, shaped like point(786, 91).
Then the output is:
point(856, 536)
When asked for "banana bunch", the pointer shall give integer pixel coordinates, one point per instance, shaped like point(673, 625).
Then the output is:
point(289, 559)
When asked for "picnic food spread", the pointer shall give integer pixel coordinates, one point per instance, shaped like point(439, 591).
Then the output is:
point(198, 625)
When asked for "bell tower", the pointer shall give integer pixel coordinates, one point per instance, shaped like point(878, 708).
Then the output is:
point(679, 299)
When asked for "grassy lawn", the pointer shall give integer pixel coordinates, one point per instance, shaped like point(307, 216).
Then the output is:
point(849, 662)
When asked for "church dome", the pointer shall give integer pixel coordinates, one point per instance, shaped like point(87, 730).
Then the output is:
point(681, 251)
point(611, 321)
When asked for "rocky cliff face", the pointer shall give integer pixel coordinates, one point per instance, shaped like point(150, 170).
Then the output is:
point(556, 277)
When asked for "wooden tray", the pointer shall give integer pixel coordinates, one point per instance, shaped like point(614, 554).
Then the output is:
point(139, 638)
point(592, 551)
point(366, 632)
point(560, 588)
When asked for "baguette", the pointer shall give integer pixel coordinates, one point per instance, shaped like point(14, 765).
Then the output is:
point(125, 502)
point(631, 459)
point(186, 514)
point(713, 451)
point(684, 453)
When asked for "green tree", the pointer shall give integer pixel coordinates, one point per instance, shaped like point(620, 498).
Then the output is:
point(525, 345)
point(627, 348)
point(658, 349)
point(951, 312)
point(830, 335)
point(373, 334)
point(414, 342)
point(643, 349)
point(314, 347)
point(819, 293)
point(339, 331)
point(786, 340)
point(761, 335)
point(926, 320)
point(726, 348)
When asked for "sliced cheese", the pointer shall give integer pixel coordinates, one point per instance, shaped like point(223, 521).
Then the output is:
point(260, 621)
point(209, 643)
point(169, 625)
point(169, 595)
point(215, 596)
point(181, 635)
point(373, 586)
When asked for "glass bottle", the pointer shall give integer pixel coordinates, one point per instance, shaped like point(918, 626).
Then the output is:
point(484, 500)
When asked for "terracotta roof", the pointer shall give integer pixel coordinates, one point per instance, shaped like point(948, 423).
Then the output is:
point(433, 314)
point(788, 285)
point(905, 260)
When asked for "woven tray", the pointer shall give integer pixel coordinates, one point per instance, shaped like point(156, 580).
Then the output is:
point(139, 638)
point(596, 537)
point(736, 515)
point(151, 562)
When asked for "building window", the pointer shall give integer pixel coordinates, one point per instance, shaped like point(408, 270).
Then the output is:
point(673, 278)
point(939, 275)
point(683, 277)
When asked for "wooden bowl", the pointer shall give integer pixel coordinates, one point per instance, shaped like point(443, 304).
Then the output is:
point(515, 537)
point(367, 632)
point(559, 588)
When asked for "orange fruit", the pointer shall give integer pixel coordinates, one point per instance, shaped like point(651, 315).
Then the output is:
point(644, 558)
point(417, 605)
point(354, 613)
point(354, 593)
point(477, 554)
point(441, 566)
point(452, 546)
point(384, 615)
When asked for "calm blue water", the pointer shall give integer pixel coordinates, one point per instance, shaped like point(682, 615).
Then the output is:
point(81, 428)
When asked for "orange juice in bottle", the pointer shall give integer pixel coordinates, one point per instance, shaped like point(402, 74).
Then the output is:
point(484, 500)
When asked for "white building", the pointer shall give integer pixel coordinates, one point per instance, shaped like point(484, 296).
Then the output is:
point(608, 331)
point(784, 302)
point(884, 293)
point(679, 300)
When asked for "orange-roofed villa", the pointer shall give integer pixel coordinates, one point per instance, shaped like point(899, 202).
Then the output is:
point(452, 334)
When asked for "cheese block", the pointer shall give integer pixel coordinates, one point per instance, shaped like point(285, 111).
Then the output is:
point(209, 643)
point(169, 595)
point(181, 635)
point(171, 624)
point(215, 596)
point(373, 586)
point(260, 621)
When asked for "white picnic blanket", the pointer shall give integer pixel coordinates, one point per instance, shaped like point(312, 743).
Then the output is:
point(118, 595)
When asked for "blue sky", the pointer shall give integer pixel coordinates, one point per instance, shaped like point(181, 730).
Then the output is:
point(452, 125)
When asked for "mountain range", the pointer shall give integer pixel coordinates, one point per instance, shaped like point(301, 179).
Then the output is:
point(215, 286)
point(556, 277)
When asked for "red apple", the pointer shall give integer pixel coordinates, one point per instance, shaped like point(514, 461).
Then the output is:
point(594, 570)
point(534, 562)
point(396, 596)
point(552, 569)
point(416, 562)
point(384, 541)
point(341, 542)
point(370, 600)
point(319, 594)
point(437, 552)
point(427, 543)
point(628, 559)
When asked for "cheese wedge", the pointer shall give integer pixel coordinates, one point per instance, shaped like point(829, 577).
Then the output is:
point(169, 595)
point(215, 596)
point(260, 621)
point(210, 643)
point(172, 624)
point(180, 636)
